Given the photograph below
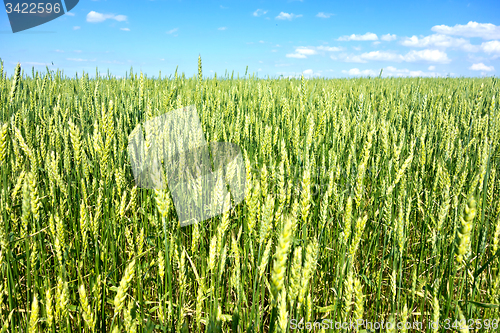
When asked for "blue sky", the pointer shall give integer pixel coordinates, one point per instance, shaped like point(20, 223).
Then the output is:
point(289, 38)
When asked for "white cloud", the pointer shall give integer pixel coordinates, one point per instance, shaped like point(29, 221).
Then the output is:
point(388, 37)
point(412, 41)
point(286, 16)
point(172, 31)
point(260, 12)
point(125, 29)
point(392, 71)
point(471, 29)
point(119, 18)
point(365, 37)
point(95, 17)
point(482, 67)
point(76, 28)
point(324, 15)
point(261, 41)
point(309, 73)
point(305, 51)
point(77, 51)
point(274, 50)
point(427, 55)
point(412, 56)
point(382, 56)
point(162, 59)
point(376, 42)
point(222, 28)
point(70, 14)
point(431, 68)
point(440, 41)
point(471, 57)
point(491, 47)
point(357, 72)
point(296, 55)
point(329, 48)
point(76, 59)
point(349, 58)
point(302, 52)
point(59, 51)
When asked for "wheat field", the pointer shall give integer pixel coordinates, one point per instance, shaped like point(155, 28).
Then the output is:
point(372, 199)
